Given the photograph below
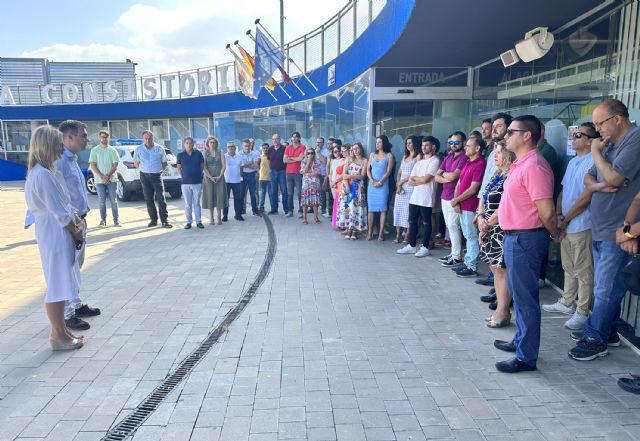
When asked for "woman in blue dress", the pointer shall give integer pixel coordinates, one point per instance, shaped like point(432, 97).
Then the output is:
point(381, 166)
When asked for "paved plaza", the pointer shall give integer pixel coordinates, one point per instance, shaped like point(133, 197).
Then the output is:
point(344, 340)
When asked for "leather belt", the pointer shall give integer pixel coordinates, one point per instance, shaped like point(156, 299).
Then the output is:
point(513, 232)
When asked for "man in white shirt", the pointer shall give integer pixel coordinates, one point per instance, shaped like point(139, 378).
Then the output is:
point(233, 178)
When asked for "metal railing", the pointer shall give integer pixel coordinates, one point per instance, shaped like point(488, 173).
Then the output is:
point(310, 51)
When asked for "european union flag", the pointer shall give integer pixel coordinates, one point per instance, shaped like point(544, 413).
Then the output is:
point(268, 59)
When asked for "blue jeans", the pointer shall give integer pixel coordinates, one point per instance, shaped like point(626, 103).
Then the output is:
point(191, 193)
point(608, 290)
point(294, 181)
point(523, 255)
point(265, 189)
point(471, 234)
point(278, 179)
point(105, 190)
point(249, 181)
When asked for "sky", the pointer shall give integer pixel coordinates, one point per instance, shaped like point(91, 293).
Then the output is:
point(160, 35)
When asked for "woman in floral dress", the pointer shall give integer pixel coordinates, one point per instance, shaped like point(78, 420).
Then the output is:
point(354, 193)
point(311, 189)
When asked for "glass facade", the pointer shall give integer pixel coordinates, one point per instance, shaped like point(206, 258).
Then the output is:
point(343, 114)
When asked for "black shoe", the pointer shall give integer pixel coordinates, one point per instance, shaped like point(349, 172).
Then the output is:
point(239, 218)
point(630, 384)
point(492, 291)
point(187, 227)
point(199, 225)
point(257, 213)
point(489, 298)
point(168, 225)
point(456, 268)
point(588, 349)
point(493, 305)
point(224, 218)
point(152, 224)
point(451, 262)
point(273, 212)
point(513, 366)
point(485, 282)
point(466, 272)
point(77, 324)
point(506, 346)
point(86, 311)
point(614, 340)
point(444, 258)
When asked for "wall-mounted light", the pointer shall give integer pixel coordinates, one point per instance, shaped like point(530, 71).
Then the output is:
point(536, 44)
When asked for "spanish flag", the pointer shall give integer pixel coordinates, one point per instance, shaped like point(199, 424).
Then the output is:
point(249, 62)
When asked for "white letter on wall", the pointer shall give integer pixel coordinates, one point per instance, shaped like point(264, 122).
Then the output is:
point(204, 79)
point(150, 89)
point(70, 93)
point(46, 94)
point(167, 79)
point(90, 92)
point(131, 90)
point(187, 84)
point(110, 92)
point(6, 97)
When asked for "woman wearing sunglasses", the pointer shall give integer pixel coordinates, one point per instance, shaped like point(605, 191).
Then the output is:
point(311, 190)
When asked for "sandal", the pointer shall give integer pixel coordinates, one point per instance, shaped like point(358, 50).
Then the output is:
point(381, 238)
point(318, 221)
point(305, 222)
point(354, 236)
point(501, 324)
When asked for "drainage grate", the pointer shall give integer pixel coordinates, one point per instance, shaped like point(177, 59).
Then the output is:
point(131, 422)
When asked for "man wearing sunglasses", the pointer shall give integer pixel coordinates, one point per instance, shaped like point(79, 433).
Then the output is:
point(574, 222)
point(614, 180)
point(528, 218)
point(448, 175)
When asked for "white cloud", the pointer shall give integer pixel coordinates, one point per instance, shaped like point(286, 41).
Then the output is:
point(191, 34)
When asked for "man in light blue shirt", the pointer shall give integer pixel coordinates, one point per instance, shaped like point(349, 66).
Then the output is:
point(74, 138)
point(574, 220)
point(151, 159)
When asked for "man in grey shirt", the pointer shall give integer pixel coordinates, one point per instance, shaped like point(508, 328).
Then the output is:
point(614, 181)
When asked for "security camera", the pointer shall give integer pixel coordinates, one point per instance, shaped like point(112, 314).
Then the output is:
point(509, 58)
point(536, 44)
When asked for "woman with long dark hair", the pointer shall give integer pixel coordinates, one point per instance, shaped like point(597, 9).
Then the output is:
point(381, 166)
point(403, 189)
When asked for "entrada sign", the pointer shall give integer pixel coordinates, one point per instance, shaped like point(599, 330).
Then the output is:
point(176, 85)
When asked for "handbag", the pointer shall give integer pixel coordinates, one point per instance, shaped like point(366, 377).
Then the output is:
point(631, 275)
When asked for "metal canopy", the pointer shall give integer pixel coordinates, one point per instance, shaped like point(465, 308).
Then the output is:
point(470, 32)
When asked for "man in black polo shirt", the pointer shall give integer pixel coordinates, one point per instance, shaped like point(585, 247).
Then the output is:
point(278, 176)
point(190, 166)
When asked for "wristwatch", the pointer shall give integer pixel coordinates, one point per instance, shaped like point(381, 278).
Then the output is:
point(627, 231)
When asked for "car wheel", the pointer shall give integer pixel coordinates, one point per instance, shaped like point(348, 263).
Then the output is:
point(122, 192)
point(91, 184)
point(176, 194)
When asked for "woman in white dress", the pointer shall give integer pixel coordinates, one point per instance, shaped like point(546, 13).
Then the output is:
point(58, 230)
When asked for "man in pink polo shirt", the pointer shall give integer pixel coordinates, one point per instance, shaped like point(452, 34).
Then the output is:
point(528, 218)
point(466, 202)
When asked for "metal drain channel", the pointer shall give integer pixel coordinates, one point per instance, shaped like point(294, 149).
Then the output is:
point(134, 420)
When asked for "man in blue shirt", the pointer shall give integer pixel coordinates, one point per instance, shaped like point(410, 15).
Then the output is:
point(74, 138)
point(151, 160)
point(190, 166)
point(574, 220)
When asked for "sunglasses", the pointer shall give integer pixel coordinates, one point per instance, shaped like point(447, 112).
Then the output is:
point(454, 142)
point(512, 131)
point(578, 135)
point(311, 153)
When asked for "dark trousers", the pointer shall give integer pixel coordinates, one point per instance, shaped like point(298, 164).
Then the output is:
point(294, 188)
point(330, 204)
point(523, 255)
point(153, 190)
point(237, 199)
point(416, 212)
point(249, 183)
point(324, 194)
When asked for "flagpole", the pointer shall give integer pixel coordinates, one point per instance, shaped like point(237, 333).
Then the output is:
point(281, 88)
point(236, 56)
point(260, 61)
point(257, 22)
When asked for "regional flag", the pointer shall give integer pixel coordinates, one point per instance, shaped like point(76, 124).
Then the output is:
point(267, 60)
point(245, 78)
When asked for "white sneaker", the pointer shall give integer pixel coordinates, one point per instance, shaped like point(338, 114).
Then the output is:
point(423, 251)
point(576, 321)
point(558, 307)
point(326, 215)
point(407, 250)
